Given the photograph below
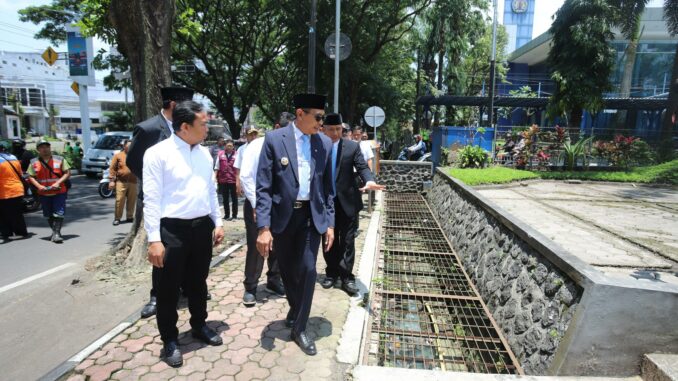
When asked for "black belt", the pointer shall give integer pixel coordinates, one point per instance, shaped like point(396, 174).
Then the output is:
point(184, 222)
point(301, 204)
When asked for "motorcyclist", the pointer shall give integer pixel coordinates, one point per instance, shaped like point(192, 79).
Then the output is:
point(415, 151)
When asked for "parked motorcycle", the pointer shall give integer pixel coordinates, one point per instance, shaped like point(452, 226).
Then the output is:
point(104, 191)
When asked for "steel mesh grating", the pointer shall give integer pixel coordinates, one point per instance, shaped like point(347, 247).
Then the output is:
point(426, 314)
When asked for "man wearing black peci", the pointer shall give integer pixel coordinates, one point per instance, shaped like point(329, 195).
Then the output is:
point(346, 156)
point(183, 222)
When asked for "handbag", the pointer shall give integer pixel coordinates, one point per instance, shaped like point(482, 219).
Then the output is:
point(67, 183)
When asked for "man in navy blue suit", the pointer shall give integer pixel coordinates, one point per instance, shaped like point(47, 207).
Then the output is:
point(295, 206)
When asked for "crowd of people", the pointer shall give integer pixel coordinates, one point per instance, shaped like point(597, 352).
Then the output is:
point(302, 185)
point(302, 188)
point(20, 173)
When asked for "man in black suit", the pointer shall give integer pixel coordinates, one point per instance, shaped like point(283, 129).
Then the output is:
point(346, 156)
point(295, 207)
point(147, 134)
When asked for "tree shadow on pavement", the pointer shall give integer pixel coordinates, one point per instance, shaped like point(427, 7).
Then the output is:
point(317, 328)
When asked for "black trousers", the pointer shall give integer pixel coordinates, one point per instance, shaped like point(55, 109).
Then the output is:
point(228, 193)
point(297, 250)
point(341, 257)
point(12, 217)
point(188, 252)
point(254, 262)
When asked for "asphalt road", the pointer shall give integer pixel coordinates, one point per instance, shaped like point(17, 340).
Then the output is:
point(47, 317)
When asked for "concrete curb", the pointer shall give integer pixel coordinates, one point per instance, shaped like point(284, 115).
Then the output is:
point(67, 366)
point(350, 342)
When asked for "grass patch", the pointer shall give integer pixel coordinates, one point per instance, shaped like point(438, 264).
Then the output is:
point(491, 175)
point(665, 173)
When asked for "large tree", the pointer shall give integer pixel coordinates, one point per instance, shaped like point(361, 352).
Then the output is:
point(142, 30)
point(234, 43)
point(666, 148)
point(580, 57)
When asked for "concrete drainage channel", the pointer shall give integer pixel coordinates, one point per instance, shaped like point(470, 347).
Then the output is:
point(426, 313)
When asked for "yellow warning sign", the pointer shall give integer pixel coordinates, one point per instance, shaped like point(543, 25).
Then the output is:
point(75, 88)
point(50, 56)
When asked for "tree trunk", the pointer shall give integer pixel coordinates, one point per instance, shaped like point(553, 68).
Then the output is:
point(627, 79)
point(417, 117)
point(666, 148)
point(144, 30)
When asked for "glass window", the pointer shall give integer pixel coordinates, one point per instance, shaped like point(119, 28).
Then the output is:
point(109, 142)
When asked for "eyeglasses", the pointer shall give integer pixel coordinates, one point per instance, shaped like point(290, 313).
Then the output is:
point(318, 117)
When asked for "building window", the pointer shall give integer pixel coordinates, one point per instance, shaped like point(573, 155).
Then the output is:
point(23, 97)
point(35, 98)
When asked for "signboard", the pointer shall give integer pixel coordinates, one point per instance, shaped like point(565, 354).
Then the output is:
point(50, 56)
point(375, 116)
point(519, 6)
point(75, 88)
point(80, 56)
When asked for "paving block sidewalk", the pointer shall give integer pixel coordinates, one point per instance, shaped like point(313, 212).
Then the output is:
point(257, 344)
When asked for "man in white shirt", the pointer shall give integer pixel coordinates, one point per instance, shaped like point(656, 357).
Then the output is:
point(181, 217)
point(254, 262)
point(250, 135)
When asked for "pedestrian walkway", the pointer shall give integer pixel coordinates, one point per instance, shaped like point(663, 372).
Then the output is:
point(256, 346)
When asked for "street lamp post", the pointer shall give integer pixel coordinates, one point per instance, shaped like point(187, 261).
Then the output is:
point(337, 54)
point(492, 72)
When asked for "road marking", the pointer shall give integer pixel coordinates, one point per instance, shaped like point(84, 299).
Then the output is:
point(35, 277)
point(231, 249)
point(102, 340)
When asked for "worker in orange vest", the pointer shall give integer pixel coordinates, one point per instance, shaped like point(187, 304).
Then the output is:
point(49, 174)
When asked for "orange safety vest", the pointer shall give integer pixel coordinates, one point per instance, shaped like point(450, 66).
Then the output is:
point(46, 178)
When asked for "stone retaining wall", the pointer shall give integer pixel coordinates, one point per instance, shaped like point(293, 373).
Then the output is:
point(404, 176)
point(531, 299)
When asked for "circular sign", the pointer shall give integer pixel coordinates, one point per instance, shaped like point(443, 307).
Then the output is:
point(375, 116)
point(519, 6)
point(344, 43)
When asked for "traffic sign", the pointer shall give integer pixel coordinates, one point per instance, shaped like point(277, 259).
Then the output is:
point(50, 56)
point(76, 88)
point(344, 43)
point(375, 116)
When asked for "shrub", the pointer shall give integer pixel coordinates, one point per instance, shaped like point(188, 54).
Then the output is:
point(625, 151)
point(473, 157)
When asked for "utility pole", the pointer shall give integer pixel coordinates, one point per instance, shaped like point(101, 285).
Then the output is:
point(311, 47)
point(493, 65)
point(3, 128)
point(337, 54)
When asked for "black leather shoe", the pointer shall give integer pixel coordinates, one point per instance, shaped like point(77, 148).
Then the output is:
point(207, 335)
point(327, 282)
point(350, 287)
point(289, 323)
point(275, 288)
point(116, 222)
point(150, 308)
point(249, 299)
point(209, 296)
point(337, 283)
point(305, 343)
point(172, 355)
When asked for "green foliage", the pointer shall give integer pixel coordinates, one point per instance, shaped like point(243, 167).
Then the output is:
point(580, 56)
point(572, 152)
point(625, 151)
point(119, 121)
point(665, 173)
point(491, 175)
point(473, 157)
point(522, 92)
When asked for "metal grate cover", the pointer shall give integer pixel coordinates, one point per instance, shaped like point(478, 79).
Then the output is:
point(426, 313)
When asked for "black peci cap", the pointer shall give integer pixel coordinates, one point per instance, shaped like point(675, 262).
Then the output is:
point(333, 120)
point(310, 101)
point(176, 94)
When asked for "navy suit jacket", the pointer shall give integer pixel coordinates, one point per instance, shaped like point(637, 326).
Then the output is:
point(348, 192)
point(146, 134)
point(278, 181)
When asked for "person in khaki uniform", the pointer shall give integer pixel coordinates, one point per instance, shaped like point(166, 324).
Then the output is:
point(125, 184)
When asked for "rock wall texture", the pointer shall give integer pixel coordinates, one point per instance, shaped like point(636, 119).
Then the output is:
point(531, 299)
point(404, 176)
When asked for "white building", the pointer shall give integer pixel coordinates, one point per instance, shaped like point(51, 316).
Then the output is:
point(37, 87)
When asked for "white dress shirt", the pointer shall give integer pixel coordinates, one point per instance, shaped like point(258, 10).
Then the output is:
point(177, 184)
point(248, 170)
point(239, 155)
point(304, 166)
point(366, 150)
point(169, 123)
